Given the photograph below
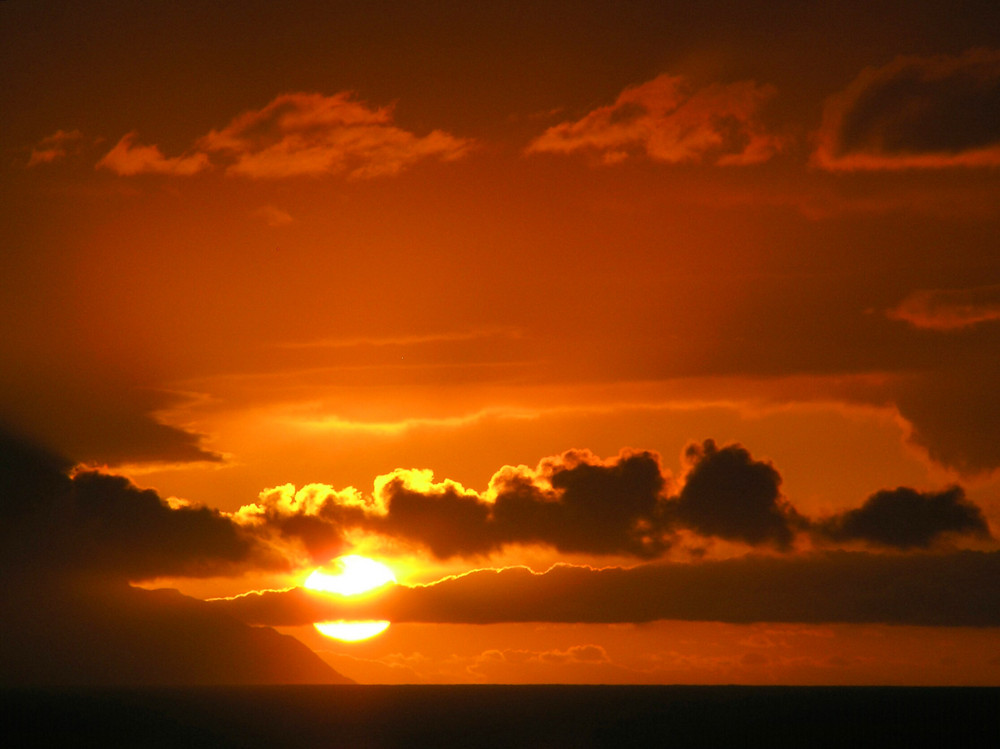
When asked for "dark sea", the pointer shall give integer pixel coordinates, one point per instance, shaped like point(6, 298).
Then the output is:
point(501, 716)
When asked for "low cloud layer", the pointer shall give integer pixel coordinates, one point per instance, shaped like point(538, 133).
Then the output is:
point(296, 134)
point(915, 112)
point(957, 589)
point(578, 503)
point(668, 120)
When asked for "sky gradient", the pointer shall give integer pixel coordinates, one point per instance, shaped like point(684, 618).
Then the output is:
point(644, 342)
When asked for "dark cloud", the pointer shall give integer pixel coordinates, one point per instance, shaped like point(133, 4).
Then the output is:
point(95, 419)
point(905, 518)
point(730, 495)
point(575, 502)
point(916, 112)
point(60, 524)
point(955, 414)
point(959, 589)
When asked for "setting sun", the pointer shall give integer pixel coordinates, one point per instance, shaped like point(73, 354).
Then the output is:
point(353, 576)
point(442, 344)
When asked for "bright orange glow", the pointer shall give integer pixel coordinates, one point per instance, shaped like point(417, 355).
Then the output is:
point(351, 631)
point(354, 575)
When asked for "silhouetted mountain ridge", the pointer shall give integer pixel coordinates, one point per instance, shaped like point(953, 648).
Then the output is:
point(115, 635)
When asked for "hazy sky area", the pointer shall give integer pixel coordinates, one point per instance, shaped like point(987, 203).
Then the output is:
point(644, 342)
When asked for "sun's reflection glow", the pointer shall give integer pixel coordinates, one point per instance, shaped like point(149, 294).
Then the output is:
point(351, 631)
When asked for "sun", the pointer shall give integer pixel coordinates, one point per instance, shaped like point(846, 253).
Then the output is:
point(352, 575)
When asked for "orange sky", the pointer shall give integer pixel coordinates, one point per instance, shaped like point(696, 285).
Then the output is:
point(610, 285)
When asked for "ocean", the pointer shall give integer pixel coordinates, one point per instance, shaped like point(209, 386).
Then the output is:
point(500, 716)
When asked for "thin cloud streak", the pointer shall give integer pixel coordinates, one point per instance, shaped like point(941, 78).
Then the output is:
point(668, 121)
point(949, 309)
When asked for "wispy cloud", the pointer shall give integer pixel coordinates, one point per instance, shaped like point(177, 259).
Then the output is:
point(667, 120)
point(128, 159)
point(295, 135)
point(949, 309)
point(915, 113)
point(302, 134)
point(274, 216)
point(55, 147)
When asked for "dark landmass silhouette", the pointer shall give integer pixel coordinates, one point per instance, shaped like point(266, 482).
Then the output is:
point(71, 635)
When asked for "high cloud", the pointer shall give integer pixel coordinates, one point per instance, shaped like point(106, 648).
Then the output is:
point(957, 589)
point(667, 120)
point(311, 134)
point(128, 158)
point(297, 134)
point(949, 309)
point(55, 147)
point(916, 112)
point(575, 503)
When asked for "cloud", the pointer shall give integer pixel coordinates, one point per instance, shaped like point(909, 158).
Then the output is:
point(905, 518)
point(949, 309)
point(128, 159)
point(730, 495)
point(296, 134)
point(100, 420)
point(958, 589)
point(666, 120)
point(309, 134)
point(56, 524)
point(915, 112)
point(954, 414)
point(274, 216)
point(574, 503)
point(55, 147)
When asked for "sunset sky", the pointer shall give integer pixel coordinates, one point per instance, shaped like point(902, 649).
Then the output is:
point(643, 341)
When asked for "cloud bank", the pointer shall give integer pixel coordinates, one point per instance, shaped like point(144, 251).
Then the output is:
point(915, 112)
point(627, 505)
point(669, 121)
point(958, 589)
